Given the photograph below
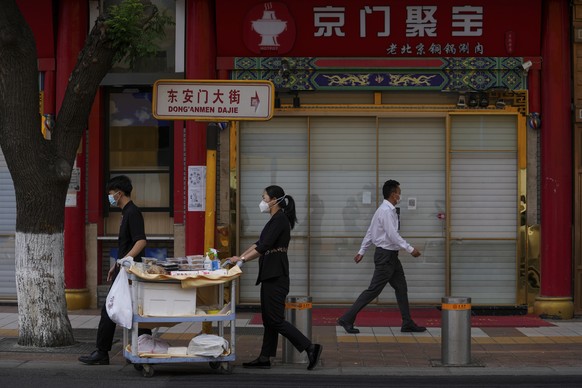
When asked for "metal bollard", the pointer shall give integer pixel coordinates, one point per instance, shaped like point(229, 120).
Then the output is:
point(298, 313)
point(456, 331)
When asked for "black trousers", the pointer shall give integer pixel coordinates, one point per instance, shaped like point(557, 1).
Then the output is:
point(106, 328)
point(388, 269)
point(273, 295)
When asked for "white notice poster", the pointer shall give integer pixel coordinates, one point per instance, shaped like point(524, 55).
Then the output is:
point(71, 200)
point(196, 188)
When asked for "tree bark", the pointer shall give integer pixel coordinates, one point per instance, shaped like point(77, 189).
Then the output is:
point(42, 320)
point(41, 170)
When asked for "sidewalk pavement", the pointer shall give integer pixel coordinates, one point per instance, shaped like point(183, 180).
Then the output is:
point(555, 350)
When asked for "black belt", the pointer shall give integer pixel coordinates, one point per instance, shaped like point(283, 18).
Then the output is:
point(387, 250)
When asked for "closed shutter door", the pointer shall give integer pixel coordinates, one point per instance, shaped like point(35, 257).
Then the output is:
point(484, 208)
point(273, 153)
point(335, 168)
point(342, 201)
point(412, 152)
point(7, 229)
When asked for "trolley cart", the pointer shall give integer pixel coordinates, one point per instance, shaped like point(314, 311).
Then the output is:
point(146, 364)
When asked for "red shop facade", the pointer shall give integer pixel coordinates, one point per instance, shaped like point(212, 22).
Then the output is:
point(466, 83)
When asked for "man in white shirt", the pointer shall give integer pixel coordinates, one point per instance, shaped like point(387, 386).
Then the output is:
point(383, 233)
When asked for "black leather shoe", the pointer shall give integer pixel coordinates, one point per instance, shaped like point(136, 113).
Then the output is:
point(412, 328)
point(313, 353)
point(96, 358)
point(259, 363)
point(349, 328)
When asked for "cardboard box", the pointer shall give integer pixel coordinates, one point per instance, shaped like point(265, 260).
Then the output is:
point(165, 300)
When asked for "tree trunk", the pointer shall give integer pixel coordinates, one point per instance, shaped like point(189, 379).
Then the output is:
point(42, 317)
point(41, 170)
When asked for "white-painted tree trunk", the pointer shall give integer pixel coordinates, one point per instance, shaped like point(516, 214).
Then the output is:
point(40, 286)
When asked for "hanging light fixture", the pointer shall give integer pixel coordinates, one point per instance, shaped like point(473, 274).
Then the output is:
point(473, 101)
point(461, 101)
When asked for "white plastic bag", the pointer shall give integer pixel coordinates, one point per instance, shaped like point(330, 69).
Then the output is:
point(208, 345)
point(149, 344)
point(118, 301)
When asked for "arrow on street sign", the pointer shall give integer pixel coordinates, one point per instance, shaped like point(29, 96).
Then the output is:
point(213, 100)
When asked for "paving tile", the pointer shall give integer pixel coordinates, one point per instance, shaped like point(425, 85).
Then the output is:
point(504, 340)
point(403, 339)
point(376, 347)
point(523, 340)
point(542, 340)
point(502, 331)
point(483, 340)
point(366, 339)
point(347, 339)
point(385, 339)
point(427, 340)
point(382, 331)
point(562, 339)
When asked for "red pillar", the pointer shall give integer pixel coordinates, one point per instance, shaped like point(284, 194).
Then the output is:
point(556, 164)
point(72, 31)
point(200, 64)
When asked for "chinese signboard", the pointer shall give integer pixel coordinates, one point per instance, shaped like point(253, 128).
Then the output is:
point(397, 28)
point(214, 100)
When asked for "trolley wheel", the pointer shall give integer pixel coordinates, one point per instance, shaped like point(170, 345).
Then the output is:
point(138, 367)
point(147, 371)
point(214, 364)
point(225, 368)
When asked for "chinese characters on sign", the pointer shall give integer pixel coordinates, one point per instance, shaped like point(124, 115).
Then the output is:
point(421, 21)
point(378, 28)
point(228, 100)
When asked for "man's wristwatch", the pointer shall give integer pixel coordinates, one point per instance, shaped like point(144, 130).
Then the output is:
point(242, 258)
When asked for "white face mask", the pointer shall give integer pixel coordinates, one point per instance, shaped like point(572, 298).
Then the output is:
point(398, 200)
point(264, 207)
point(112, 199)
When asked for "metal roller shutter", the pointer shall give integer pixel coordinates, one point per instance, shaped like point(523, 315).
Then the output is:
point(7, 229)
point(273, 153)
point(484, 208)
point(411, 151)
point(335, 167)
point(343, 200)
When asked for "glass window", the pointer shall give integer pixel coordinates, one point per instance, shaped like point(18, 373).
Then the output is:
point(140, 147)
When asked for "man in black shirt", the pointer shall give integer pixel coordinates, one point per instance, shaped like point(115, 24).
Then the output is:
point(131, 242)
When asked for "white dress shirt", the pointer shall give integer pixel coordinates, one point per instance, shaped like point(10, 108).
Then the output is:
point(383, 231)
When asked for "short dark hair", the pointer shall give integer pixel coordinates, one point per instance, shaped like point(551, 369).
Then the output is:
point(120, 183)
point(389, 187)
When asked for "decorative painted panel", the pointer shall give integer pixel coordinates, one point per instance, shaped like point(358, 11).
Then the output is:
point(446, 73)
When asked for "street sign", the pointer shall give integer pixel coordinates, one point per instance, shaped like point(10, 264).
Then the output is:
point(213, 100)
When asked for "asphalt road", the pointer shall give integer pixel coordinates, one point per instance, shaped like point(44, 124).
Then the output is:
point(176, 377)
